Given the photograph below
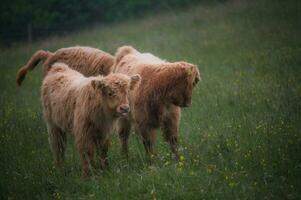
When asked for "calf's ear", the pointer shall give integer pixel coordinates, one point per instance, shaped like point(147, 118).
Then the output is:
point(135, 81)
point(194, 73)
point(97, 84)
point(197, 77)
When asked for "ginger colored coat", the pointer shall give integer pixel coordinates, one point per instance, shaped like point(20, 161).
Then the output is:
point(156, 103)
point(85, 107)
point(89, 61)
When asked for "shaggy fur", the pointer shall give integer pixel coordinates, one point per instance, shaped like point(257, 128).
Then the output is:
point(164, 88)
point(89, 61)
point(86, 107)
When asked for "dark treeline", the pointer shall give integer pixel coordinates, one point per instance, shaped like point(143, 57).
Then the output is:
point(31, 19)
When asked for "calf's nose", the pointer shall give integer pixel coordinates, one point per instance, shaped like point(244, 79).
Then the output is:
point(124, 108)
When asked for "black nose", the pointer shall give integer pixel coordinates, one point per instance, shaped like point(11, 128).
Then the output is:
point(124, 108)
point(186, 103)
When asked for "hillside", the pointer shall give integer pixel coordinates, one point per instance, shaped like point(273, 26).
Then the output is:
point(240, 138)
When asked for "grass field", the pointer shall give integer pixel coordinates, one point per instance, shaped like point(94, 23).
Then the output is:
point(240, 139)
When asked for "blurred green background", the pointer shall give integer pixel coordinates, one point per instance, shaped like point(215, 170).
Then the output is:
point(240, 139)
point(32, 19)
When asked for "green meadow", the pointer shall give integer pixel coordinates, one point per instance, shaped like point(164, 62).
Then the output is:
point(240, 139)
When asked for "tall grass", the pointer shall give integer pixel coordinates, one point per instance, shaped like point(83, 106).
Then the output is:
point(240, 139)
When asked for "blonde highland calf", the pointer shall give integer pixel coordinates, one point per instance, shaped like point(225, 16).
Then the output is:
point(85, 107)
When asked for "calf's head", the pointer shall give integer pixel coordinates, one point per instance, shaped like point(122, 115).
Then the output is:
point(184, 81)
point(114, 90)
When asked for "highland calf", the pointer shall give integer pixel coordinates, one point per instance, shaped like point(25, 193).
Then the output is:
point(165, 88)
point(88, 61)
point(86, 107)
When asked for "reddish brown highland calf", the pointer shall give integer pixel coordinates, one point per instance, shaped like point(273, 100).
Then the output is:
point(156, 103)
point(88, 61)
